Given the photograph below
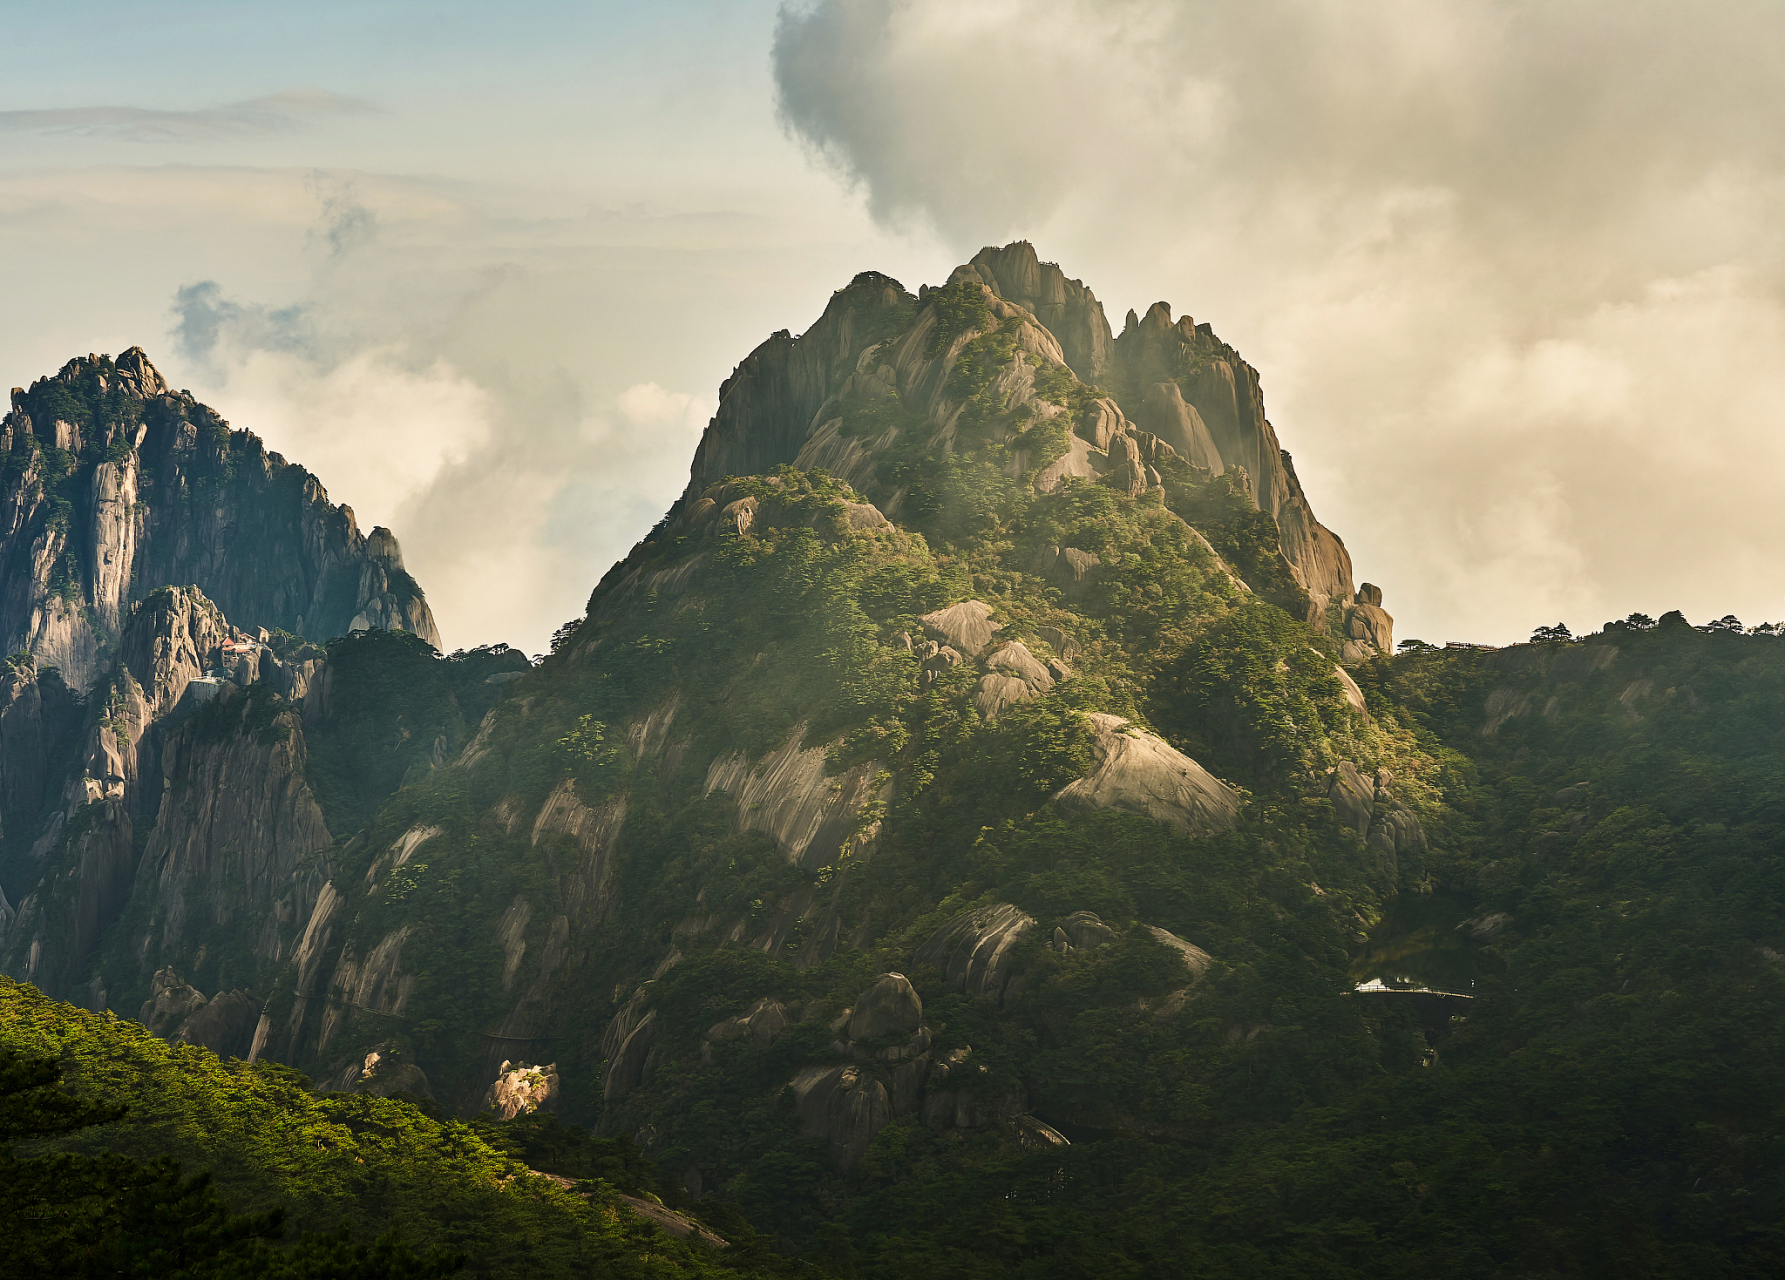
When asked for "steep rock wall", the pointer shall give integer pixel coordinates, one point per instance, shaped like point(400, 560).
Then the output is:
point(112, 485)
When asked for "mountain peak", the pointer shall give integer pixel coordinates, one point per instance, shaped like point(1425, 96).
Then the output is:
point(114, 485)
point(1011, 344)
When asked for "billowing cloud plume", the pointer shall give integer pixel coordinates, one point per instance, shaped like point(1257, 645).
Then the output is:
point(1512, 271)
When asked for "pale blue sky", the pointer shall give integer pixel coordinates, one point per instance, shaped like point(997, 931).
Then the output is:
point(1513, 272)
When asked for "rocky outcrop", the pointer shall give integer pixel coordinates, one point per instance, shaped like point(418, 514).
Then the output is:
point(630, 1045)
point(888, 1008)
point(1068, 568)
point(520, 1089)
point(1068, 309)
point(973, 949)
point(1183, 399)
point(789, 797)
point(1138, 772)
point(768, 405)
point(86, 877)
point(116, 485)
point(1367, 804)
point(236, 838)
point(1367, 623)
point(762, 1022)
point(38, 719)
point(1013, 675)
point(187, 797)
point(967, 627)
point(179, 1012)
point(847, 1105)
point(1353, 694)
point(1196, 960)
point(1159, 365)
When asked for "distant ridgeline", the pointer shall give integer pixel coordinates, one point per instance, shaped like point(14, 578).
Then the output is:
point(982, 830)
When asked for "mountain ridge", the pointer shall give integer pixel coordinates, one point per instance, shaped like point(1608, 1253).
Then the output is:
point(978, 829)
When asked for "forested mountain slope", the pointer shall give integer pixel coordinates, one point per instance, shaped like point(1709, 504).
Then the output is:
point(982, 830)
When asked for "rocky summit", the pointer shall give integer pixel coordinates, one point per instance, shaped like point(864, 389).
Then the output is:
point(983, 829)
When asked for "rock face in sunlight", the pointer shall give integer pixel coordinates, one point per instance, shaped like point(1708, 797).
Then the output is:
point(115, 485)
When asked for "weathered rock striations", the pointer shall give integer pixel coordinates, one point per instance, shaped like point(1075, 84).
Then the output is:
point(1162, 390)
point(115, 485)
point(213, 770)
point(1368, 805)
point(789, 797)
point(1138, 772)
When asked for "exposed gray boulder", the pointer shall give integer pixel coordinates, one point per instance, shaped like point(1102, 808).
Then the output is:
point(1372, 625)
point(973, 949)
point(1196, 960)
point(763, 1022)
point(1367, 804)
point(948, 1104)
point(1099, 423)
point(627, 1068)
point(1139, 772)
point(966, 627)
point(739, 516)
point(845, 1105)
point(171, 1001)
point(1079, 460)
point(1486, 928)
point(381, 1073)
point(585, 879)
point(1505, 704)
point(862, 517)
point(1085, 930)
point(1393, 828)
point(1013, 674)
point(997, 692)
point(1037, 1135)
point(225, 1025)
point(1059, 642)
point(179, 1012)
point(1165, 414)
point(1353, 694)
point(1068, 568)
point(888, 1008)
point(1016, 660)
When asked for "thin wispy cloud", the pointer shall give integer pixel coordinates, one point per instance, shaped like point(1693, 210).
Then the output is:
point(286, 112)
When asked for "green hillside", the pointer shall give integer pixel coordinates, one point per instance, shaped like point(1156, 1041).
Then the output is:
point(326, 1165)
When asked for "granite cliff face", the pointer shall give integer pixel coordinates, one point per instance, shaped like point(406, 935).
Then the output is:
point(112, 485)
point(1166, 405)
point(158, 575)
point(186, 798)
